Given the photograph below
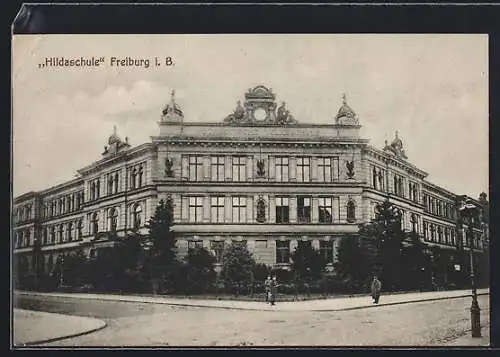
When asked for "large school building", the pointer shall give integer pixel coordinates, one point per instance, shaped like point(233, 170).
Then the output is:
point(258, 176)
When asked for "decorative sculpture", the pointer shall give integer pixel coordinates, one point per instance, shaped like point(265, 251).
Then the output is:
point(239, 115)
point(168, 167)
point(350, 169)
point(261, 171)
point(261, 210)
point(283, 115)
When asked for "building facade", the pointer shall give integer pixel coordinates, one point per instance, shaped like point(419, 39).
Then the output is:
point(258, 177)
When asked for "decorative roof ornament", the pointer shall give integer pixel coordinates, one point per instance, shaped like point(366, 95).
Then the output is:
point(396, 147)
point(115, 144)
point(172, 111)
point(345, 115)
point(113, 138)
point(259, 108)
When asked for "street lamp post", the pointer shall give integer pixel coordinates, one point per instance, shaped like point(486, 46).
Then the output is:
point(469, 211)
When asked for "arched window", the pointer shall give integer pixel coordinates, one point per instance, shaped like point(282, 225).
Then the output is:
point(60, 233)
point(112, 219)
point(433, 232)
point(98, 188)
point(139, 177)
point(374, 178)
point(137, 216)
point(116, 182)
point(110, 185)
point(133, 175)
point(70, 231)
point(351, 212)
point(79, 229)
point(95, 223)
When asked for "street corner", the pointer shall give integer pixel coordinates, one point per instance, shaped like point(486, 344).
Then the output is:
point(35, 327)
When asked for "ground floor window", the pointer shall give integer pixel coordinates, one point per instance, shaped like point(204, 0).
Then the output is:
point(282, 251)
point(192, 244)
point(326, 250)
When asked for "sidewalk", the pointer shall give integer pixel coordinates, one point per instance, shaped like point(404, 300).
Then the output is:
point(468, 341)
point(334, 304)
point(31, 327)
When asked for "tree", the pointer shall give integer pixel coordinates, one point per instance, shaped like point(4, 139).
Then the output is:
point(75, 269)
point(385, 236)
point(307, 262)
point(237, 266)
point(200, 269)
point(416, 264)
point(160, 263)
point(130, 259)
point(352, 262)
point(38, 263)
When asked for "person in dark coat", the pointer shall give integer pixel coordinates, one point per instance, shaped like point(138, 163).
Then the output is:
point(376, 287)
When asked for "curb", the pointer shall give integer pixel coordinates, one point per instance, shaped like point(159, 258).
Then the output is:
point(402, 302)
point(59, 338)
point(260, 309)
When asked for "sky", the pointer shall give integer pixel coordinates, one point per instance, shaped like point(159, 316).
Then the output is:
point(433, 89)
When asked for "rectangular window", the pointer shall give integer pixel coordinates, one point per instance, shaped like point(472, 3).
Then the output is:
point(195, 209)
point(303, 209)
point(282, 210)
point(326, 250)
point(453, 242)
point(282, 251)
point(218, 250)
point(195, 167)
point(239, 168)
point(217, 169)
point(239, 209)
point(325, 209)
point(303, 169)
point(282, 169)
point(193, 244)
point(217, 209)
point(261, 244)
point(324, 169)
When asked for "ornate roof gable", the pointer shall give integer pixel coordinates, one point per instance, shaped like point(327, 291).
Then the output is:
point(260, 108)
point(396, 147)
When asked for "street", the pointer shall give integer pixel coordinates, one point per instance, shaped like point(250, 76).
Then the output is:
point(430, 323)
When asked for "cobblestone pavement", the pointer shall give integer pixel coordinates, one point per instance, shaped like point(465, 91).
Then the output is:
point(431, 323)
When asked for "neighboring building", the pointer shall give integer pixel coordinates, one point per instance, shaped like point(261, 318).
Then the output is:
point(257, 177)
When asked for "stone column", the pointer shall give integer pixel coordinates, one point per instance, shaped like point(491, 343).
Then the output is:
point(293, 209)
point(315, 210)
point(206, 209)
point(249, 168)
point(292, 163)
point(272, 209)
point(228, 168)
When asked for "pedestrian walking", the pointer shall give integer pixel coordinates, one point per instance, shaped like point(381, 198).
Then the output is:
point(274, 290)
point(376, 286)
point(267, 286)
